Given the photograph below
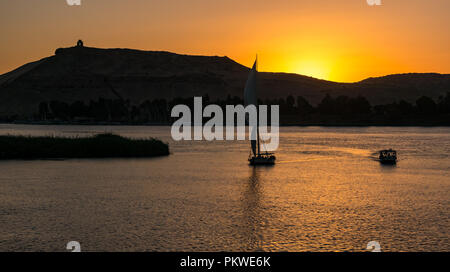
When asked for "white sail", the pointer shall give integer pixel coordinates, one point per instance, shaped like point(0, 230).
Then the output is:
point(250, 98)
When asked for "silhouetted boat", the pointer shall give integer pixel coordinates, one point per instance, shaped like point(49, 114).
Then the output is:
point(256, 156)
point(262, 159)
point(388, 156)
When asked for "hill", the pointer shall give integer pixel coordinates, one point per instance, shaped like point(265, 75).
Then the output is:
point(84, 74)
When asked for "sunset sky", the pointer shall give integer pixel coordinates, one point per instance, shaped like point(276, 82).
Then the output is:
point(340, 40)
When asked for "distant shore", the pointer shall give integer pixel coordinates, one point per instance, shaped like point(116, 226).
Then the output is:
point(303, 124)
point(331, 111)
point(98, 146)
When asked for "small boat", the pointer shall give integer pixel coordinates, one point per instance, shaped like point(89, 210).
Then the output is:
point(265, 158)
point(388, 156)
point(256, 156)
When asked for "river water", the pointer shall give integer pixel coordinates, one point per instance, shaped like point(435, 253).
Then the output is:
point(326, 193)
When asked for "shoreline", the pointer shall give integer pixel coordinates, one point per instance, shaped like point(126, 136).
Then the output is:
point(312, 124)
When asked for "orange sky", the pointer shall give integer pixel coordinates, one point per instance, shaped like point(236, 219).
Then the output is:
point(340, 40)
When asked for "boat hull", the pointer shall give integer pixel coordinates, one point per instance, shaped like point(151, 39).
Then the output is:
point(388, 161)
point(262, 160)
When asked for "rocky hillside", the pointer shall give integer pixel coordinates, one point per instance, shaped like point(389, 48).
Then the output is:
point(83, 73)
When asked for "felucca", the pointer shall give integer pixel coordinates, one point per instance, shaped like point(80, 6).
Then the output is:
point(250, 97)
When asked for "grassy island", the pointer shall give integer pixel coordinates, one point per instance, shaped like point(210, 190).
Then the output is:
point(98, 146)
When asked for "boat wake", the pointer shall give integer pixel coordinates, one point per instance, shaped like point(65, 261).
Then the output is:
point(305, 160)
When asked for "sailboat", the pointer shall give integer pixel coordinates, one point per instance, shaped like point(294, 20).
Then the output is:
point(256, 157)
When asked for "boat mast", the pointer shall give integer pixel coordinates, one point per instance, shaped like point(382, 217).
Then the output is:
point(257, 107)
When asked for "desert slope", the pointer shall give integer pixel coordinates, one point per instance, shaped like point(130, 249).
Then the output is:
point(83, 73)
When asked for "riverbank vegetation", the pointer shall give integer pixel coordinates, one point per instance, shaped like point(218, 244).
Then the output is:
point(341, 110)
point(98, 146)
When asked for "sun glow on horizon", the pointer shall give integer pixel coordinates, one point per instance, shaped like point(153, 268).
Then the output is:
point(313, 68)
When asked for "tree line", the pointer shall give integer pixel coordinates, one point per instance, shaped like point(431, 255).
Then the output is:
point(331, 110)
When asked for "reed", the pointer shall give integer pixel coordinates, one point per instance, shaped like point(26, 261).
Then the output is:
point(98, 146)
